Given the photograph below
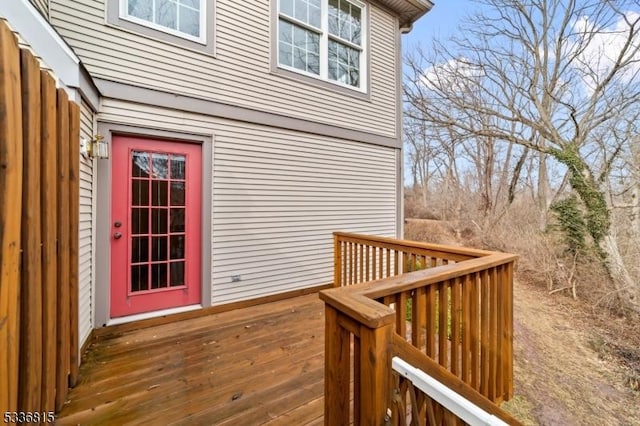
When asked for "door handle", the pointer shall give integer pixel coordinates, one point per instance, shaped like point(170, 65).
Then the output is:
point(117, 235)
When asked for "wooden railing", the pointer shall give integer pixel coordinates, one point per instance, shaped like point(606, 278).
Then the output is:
point(359, 258)
point(456, 314)
point(39, 198)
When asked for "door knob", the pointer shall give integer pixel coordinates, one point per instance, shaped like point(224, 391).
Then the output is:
point(117, 235)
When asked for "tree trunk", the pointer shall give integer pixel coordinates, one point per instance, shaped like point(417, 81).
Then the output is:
point(627, 289)
point(543, 190)
point(635, 192)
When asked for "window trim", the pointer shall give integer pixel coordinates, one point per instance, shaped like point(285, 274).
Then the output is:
point(323, 79)
point(116, 16)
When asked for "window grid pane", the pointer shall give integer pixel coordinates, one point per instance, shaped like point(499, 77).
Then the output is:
point(344, 63)
point(178, 15)
point(345, 21)
point(158, 228)
point(299, 46)
point(307, 11)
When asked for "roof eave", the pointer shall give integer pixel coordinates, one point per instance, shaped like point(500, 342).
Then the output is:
point(407, 11)
point(424, 6)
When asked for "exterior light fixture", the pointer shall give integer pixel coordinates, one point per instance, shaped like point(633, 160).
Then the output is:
point(96, 147)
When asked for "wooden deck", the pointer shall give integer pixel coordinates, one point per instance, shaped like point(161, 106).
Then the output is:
point(257, 365)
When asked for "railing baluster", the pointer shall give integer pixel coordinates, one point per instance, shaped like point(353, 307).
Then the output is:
point(368, 264)
point(362, 278)
point(337, 261)
point(396, 262)
point(443, 326)
point(455, 327)
point(500, 332)
point(431, 321)
point(418, 314)
point(484, 333)
point(475, 330)
point(466, 328)
point(343, 248)
point(401, 314)
point(508, 339)
point(381, 266)
point(493, 332)
point(374, 267)
point(352, 270)
point(388, 262)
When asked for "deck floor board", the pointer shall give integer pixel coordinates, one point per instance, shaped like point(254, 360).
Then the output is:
point(256, 365)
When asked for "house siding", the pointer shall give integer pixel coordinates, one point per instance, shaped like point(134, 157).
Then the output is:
point(277, 196)
point(86, 243)
point(42, 6)
point(240, 73)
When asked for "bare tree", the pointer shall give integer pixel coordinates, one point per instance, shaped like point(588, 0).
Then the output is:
point(554, 76)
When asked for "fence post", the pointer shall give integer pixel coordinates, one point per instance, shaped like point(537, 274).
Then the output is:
point(375, 373)
point(336, 370)
point(337, 261)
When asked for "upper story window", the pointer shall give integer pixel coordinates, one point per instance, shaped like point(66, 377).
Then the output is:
point(324, 39)
point(184, 18)
point(185, 23)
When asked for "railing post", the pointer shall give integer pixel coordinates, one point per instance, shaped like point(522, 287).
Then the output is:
point(337, 261)
point(375, 374)
point(336, 370)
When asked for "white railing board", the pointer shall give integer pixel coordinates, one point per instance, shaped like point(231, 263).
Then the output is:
point(452, 401)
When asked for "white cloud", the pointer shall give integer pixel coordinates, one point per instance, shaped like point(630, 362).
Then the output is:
point(603, 48)
point(452, 75)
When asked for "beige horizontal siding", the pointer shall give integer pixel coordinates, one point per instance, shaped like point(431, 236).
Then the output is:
point(240, 72)
point(42, 6)
point(277, 197)
point(85, 251)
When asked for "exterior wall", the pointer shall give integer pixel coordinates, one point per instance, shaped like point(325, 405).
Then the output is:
point(240, 72)
point(42, 6)
point(277, 196)
point(86, 246)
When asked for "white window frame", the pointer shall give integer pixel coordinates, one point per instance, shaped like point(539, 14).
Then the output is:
point(324, 44)
point(202, 39)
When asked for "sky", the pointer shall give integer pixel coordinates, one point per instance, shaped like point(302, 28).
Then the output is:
point(440, 21)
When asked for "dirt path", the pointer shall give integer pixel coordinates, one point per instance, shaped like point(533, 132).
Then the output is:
point(560, 378)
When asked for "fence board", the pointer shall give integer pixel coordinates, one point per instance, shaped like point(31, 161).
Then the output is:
point(31, 278)
point(49, 206)
point(63, 335)
point(74, 217)
point(10, 216)
point(39, 213)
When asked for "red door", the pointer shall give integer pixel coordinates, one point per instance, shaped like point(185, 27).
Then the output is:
point(155, 225)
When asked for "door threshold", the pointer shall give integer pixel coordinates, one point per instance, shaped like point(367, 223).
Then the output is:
point(154, 314)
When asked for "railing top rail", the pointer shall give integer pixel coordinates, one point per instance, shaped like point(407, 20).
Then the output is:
point(357, 300)
point(408, 245)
